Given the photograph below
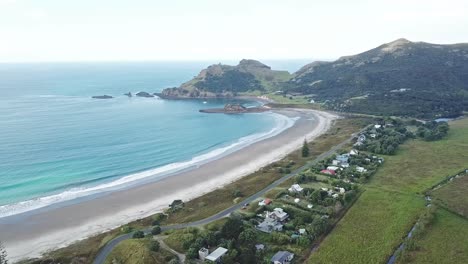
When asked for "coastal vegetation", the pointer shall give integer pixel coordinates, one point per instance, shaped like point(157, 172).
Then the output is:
point(139, 251)
point(392, 202)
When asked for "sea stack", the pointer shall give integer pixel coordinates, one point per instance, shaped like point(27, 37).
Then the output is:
point(144, 94)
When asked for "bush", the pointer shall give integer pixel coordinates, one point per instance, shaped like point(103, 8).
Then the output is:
point(138, 234)
point(125, 229)
point(154, 246)
point(156, 230)
point(237, 193)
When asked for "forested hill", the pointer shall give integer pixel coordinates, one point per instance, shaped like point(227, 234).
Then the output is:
point(220, 80)
point(398, 78)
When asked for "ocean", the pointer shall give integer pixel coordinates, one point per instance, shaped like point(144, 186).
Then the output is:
point(58, 144)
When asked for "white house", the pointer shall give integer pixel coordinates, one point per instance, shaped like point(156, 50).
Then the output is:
point(277, 214)
point(333, 168)
point(336, 163)
point(342, 190)
point(216, 255)
point(295, 188)
point(360, 169)
point(353, 152)
point(377, 126)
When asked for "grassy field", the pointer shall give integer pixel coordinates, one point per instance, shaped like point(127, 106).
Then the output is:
point(393, 200)
point(446, 241)
point(136, 251)
point(371, 229)
point(454, 196)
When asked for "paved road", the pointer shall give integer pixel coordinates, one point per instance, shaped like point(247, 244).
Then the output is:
point(106, 250)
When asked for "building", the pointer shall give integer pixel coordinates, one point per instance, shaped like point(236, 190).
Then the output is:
point(278, 214)
point(203, 253)
point(259, 247)
point(295, 188)
point(264, 202)
point(336, 163)
point(269, 225)
point(333, 168)
point(282, 257)
point(343, 158)
point(353, 152)
point(329, 172)
point(216, 255)
point(360, 169)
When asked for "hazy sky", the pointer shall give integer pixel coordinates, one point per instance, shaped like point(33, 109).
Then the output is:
point(80, 30)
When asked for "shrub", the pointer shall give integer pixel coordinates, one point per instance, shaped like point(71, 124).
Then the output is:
point(156, 230)
point(138, 234)
point(154, 246)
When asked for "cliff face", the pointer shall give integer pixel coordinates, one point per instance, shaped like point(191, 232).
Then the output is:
point(224, 80)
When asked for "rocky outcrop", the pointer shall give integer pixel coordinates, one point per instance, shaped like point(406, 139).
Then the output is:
point(221, 80)
point(144, 94)
point(129, 94)
point(102, 97)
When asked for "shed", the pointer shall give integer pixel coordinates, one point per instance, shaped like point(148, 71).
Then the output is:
point(216, 255)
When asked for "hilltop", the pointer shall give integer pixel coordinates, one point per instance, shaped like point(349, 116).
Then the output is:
point(397, 78)
point(221, 80)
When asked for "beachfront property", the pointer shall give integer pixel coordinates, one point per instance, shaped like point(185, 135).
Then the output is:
point(295, 188)
point(329, 172)
point(332, 168)
point(282, 257)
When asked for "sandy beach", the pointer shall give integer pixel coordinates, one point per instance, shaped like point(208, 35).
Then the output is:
point(32, 233)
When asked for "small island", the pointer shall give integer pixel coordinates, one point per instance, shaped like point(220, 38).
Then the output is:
point(144, 94)
point(102, 97)
point(235, 109)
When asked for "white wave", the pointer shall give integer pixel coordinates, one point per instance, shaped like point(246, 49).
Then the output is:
point(281, 123)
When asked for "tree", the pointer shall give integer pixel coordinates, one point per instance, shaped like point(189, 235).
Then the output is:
point(248, 236)
point(192, 253)
point(138, 234)
point(154, 246)
point(232, 228)
point(3, 254)
point(156, 230)
point(305, 149)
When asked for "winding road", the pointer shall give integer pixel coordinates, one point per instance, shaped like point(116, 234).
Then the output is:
point(107, 249)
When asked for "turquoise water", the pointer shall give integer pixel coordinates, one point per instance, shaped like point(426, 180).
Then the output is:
point(58, 144)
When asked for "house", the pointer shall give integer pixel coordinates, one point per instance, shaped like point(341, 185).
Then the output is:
point(302, 231)
point(333, 168)
point(203, 253)
point(295, 188)
point(353, 152)
point(336, 163)
point(297, 200)
point(335, 195)
point(344, 158)
point(278, 214)
point(345, 165)
point(268, 225)
point(282, 257)
point(330, 172)
point(360, 169)
point(377, 126)
point(264, 202)
point(359, 143)
point(216, 255)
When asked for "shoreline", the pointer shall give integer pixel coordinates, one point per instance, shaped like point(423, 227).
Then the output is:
point(32, 234)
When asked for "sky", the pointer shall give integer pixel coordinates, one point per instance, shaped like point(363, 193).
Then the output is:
point(154, 30)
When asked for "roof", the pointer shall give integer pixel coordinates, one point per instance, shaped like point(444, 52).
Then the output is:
point(215, 255)
point(267, 201)
point(281, 256)
point(328, 172)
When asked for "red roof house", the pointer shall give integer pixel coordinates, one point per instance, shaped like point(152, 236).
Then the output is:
point(330, 172)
